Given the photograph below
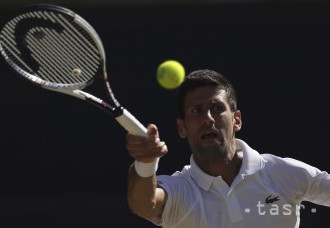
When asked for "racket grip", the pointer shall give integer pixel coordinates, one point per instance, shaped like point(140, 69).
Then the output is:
point(131, 124)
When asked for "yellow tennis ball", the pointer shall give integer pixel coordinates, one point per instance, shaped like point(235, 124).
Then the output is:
point(170, 74)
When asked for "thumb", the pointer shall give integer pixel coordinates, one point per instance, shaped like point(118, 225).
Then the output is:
point(152, 131)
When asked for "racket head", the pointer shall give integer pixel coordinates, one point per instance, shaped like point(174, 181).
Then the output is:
point(53, 47)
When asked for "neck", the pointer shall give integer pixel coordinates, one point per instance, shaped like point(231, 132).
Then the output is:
point(227, 168)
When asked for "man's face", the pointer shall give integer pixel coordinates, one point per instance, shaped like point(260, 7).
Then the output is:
point(209, 124)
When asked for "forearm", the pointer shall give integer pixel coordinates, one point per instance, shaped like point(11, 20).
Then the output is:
point(142, 199)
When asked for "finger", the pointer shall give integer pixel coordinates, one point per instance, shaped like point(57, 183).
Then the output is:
point(144, 147)
point(135, 139)
point(152, 131)
point(160, 151)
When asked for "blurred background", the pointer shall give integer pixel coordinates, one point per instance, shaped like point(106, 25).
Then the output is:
point(63, 163)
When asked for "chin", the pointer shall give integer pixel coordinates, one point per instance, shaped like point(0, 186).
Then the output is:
point(213, 150)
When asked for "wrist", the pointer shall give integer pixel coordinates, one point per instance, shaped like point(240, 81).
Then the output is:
point(146, 169)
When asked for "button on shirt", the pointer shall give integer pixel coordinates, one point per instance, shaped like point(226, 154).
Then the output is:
point(267, 192)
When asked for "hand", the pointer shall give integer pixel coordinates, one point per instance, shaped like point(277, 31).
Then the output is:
point(146, 149)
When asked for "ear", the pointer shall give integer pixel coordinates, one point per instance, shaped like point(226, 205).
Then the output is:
point(181, 128)
point(237, 120)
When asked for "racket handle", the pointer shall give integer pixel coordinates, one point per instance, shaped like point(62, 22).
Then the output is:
point(131, 124)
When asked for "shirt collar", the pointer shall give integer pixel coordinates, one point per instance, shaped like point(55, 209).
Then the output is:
point(252, 163)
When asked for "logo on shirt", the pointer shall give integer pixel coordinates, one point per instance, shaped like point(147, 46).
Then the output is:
point(271, 199)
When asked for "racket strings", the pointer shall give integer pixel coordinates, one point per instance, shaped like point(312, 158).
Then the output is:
point(68, 56)
point(73, 52)
point(8, 42)
point(51, 53)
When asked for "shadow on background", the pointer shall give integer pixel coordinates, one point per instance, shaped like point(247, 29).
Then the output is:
point(63, 163)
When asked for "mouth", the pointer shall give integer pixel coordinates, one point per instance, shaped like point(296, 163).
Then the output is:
point(209, 135)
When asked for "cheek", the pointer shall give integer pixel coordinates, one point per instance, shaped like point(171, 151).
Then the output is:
point(191, 127)
point(224, 122)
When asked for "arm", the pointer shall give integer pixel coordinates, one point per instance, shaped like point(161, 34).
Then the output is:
point(144, 198)
point(299, 181)
point(319, 189)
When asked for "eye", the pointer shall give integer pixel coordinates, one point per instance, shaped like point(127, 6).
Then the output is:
point(195, 110)
point(217, 108)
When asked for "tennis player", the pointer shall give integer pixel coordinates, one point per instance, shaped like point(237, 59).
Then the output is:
point(227, 184)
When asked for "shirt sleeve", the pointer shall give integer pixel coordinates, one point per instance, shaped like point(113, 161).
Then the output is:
point(298, 181)
point(180, 199)
point(319, 188)
point(316, 183)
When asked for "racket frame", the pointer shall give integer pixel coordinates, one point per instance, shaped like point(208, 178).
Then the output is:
point(123, 117)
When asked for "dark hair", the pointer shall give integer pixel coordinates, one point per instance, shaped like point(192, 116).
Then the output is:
point(201, 78)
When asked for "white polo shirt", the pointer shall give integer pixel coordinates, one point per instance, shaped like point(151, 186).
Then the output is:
point(267, 192)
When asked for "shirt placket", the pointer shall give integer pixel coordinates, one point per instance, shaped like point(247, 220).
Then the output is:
point(232, 203)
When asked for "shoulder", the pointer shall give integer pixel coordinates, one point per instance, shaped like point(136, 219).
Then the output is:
point(289, 176)
point(180, 188)
point(182, 195)
point(178, 181)
point(288, 165)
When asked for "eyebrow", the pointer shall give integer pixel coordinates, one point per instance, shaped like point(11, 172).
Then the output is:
point(212, 102)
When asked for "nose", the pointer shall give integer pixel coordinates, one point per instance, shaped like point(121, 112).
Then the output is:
point(208, 118)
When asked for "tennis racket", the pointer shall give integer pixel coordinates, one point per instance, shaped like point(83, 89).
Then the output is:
point(56, 49)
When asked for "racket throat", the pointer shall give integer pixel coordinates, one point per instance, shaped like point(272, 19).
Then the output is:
point(117, 111)
point(114, 111)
